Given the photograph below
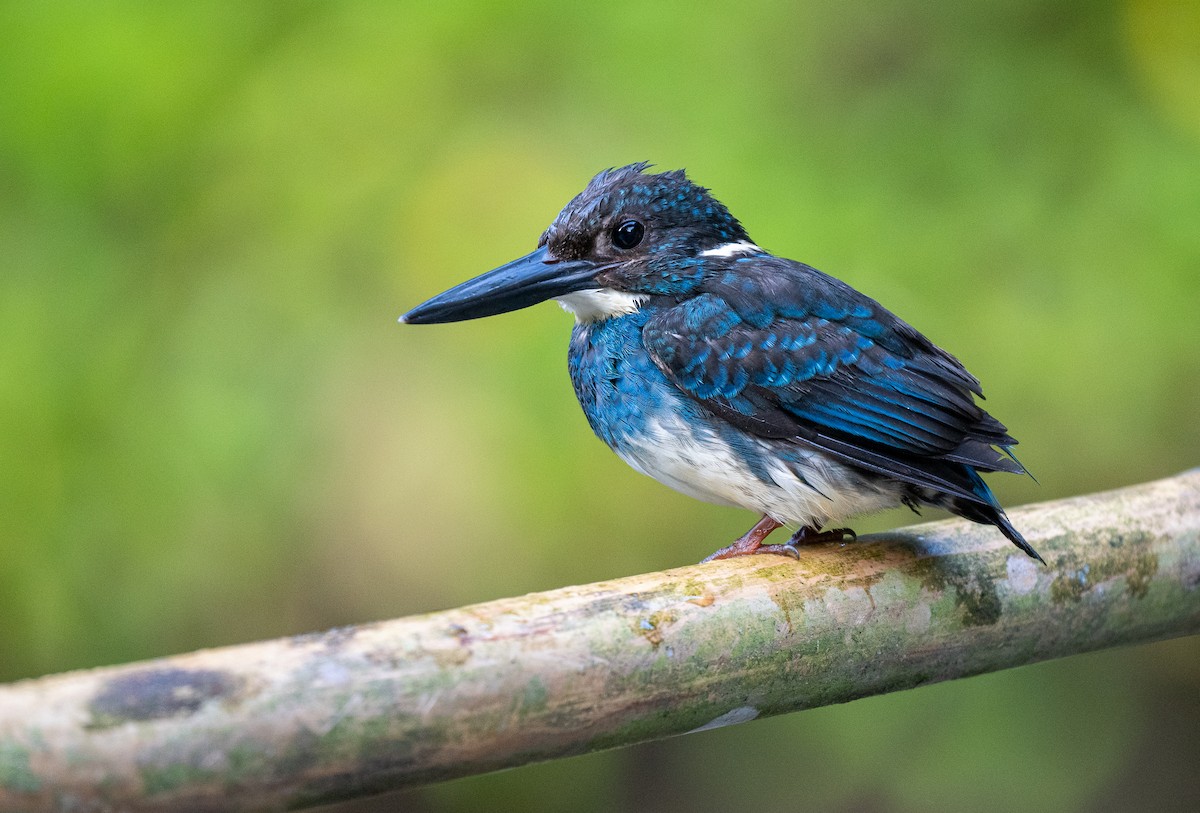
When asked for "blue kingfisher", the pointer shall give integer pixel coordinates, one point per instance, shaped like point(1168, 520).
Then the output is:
point(742, 378)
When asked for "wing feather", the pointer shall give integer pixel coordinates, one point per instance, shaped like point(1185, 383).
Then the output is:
point(784, 351)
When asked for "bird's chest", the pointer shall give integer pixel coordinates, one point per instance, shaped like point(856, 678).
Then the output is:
point(633, 408)
point(618, 385)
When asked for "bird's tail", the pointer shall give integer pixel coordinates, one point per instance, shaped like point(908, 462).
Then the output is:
point(987, 511)
point(994, 515)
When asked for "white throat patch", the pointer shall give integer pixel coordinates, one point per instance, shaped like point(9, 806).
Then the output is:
point(596, 304)
point(732, 249)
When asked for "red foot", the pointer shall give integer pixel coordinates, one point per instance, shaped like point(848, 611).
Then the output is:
point(749, 543)
point(752, 541)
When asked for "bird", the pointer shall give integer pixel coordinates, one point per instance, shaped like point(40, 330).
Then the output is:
point(742, 378)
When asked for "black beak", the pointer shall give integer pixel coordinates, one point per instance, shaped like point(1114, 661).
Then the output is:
point(532, 279)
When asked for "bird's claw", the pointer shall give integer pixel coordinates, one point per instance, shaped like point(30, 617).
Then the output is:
point(751, 542)
point(812, 536)
point(748, 543)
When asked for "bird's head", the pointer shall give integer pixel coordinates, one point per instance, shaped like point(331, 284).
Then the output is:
point(626, 237)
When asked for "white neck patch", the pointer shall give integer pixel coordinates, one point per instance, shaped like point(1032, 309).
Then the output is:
point(596, 304)
point(732, 249)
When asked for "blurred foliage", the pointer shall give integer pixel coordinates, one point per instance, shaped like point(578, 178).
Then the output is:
point(212, 430)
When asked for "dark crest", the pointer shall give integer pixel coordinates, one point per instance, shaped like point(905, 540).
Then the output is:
point(675, 213)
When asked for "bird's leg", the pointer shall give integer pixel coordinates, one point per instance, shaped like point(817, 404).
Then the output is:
point(808, 535)
point(749, 542)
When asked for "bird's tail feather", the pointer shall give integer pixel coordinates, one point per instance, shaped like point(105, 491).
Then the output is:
point(988, 515)
point(987, 511)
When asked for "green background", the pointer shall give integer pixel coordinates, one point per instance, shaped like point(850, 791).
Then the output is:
point(212, 430)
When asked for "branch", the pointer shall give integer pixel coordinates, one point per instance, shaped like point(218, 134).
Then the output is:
point(360, 710)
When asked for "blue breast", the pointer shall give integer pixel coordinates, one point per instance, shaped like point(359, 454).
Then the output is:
point(617, 384)
point(622, 391)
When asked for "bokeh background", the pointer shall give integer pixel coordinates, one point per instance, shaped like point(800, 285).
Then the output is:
point(212, 430)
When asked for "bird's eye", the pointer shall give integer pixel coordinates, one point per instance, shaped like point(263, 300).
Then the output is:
point(628, 234)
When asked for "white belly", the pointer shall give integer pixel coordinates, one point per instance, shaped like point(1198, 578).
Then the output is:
point(698, 462)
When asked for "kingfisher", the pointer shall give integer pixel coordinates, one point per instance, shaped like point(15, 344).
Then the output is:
point(742, 378)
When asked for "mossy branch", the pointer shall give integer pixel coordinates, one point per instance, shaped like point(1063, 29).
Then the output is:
point(354, 711)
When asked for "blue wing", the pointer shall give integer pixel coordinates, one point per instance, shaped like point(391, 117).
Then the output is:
point(784, 351)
